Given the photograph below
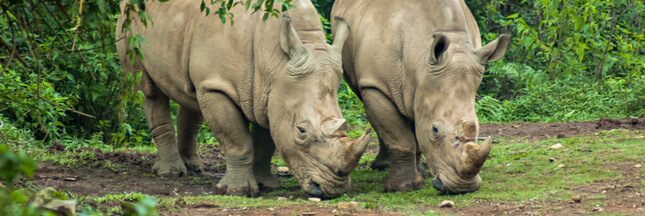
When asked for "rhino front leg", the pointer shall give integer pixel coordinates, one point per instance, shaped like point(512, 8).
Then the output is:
point(396, 133)
point(263, 150)
point(157, 110)
point(231, 128)
point(189, 123)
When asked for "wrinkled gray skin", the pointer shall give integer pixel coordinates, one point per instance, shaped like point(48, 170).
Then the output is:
point(280, 76)
point(417, 66)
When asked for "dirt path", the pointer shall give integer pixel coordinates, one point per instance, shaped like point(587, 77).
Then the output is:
point(132, 174)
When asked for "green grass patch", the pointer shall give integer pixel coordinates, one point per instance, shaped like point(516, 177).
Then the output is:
point(517, 172)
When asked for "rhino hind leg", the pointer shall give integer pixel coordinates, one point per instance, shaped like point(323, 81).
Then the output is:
point(397, 136)
point(231, 128)
point(382, 160)
point(263, 150)
point(189, 123)
point(157, 110)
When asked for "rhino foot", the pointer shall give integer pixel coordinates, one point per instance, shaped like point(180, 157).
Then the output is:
point(380, 164)
point(168, 169)
point(400, 180)
point(268, 182)
point(404, 185)
point(194, 164)
point(248, 188)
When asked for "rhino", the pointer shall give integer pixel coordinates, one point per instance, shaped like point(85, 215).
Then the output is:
point(258, 85)
point(416, 65)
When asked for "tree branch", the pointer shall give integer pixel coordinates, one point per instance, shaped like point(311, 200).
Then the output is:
point(12, 49)
point(70, 38)
point(65, 108)
point(604, 55)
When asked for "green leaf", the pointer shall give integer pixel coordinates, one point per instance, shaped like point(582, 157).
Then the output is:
point(247, 4)
point(19, 196)
point(265, 17)
point(513, 16)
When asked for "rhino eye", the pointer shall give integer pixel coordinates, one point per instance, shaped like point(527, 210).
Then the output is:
point(302, 130)
point(435, 129)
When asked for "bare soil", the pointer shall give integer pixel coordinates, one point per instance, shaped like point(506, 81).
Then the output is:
point(132, 174)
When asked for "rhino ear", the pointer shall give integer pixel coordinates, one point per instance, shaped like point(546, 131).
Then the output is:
point(495, 50)
point(340, 35)
point(289, 40)
point(439, 46)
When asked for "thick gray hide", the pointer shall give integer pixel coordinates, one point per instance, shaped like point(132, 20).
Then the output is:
point(417, 66)
point(279, 75)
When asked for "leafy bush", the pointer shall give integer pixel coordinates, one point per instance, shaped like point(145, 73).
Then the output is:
point(569, 60)
point(12, 166)
point(60, 74)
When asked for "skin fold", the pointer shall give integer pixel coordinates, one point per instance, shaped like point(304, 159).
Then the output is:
point(417, 65)
point(279, 77)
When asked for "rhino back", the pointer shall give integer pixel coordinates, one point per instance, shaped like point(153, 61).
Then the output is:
point(390, 40)
point(188, 53)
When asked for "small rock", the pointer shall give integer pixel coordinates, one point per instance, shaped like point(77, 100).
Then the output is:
point(314, 199)
point(62, 207)
point(283, 169)
point(557, 146)
point(560, 166)
point(551, 159)
point(348, 205)
point(270, 209)
point(576, 199)
point(282, 198)
point(308, 214)
point(334, 211)
point(447, 204)
point(604, 191)
point(598, 209)
point(638, 166)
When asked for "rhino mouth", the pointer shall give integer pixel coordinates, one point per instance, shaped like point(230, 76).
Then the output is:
point(452, 184)
point(324, 184)
point(313, 189)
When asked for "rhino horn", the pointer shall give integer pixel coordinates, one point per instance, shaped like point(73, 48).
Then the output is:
point(475, 157)
point(351, 152)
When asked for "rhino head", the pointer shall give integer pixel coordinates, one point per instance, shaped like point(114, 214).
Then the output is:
point(444, 105)
point(305, 119)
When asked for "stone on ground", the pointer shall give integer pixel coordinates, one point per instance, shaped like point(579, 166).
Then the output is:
point(447, 204)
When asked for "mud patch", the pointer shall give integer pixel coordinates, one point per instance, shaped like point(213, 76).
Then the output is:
point(541, 131)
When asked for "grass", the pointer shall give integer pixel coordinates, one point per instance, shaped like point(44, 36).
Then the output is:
point(517, 172)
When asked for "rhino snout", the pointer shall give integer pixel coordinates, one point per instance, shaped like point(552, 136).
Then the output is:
point(314, 189)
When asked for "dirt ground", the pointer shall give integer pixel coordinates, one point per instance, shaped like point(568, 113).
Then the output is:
point(133, 175)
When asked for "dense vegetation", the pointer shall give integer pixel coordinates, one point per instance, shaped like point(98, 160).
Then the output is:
point(60, 79)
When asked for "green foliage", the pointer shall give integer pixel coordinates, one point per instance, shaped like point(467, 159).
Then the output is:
point(12, 166)
point(488, 109)
point(63, 81)
point(266, 6)
point(569, 60)
point(575, 100)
